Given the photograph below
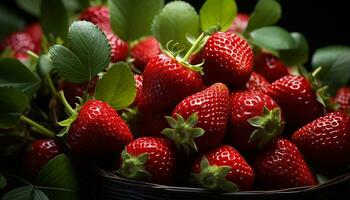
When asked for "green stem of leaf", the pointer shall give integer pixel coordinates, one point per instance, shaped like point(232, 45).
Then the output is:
point(63, 99)
point(54, 188)
point(17, 177)
point(194, 46)
point(39, 128)
point(33, 55)
point(51, 86)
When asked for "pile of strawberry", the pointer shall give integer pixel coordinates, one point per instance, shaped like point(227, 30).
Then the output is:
point(223, 114)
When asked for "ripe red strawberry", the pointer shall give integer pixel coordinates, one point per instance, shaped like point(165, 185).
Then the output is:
point(138, 80)
point(270, 67)
point(326, 141)
point(280, 165)
point(36, 33)
point(228, 59)
point(119, 48)
point(98, 15)
point(98, 129)
point(143, 51)
point(20, 43)
point(343, 99)
point(257, 82)
point(255, 120)
point(149, 158)
point(166, 81)
point(223, 168)
point(39, 153)
point(239, 24)
point(297, 100)
point(206, 113)
point(150, 124)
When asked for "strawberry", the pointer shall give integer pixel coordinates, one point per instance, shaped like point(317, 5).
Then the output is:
point(20, 43)
point(239, 24)
point(223, 168)
point(98, 15)
point(166, 81)
point(270, 67)
point(39, 153)
point(36, 33)
point(138, 80)
point(206, 113)
point(98, 129)
point(255, 120)
point(296, 98)
point(280, 165)
point(326, 141)
point(228, 59)
point(343, 99)
point(119, 48)
point(257, 82)
point(143, 51)
point(150, 124)
point(149, 158)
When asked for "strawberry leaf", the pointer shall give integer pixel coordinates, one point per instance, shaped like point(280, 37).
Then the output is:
point(131, 19)
point(3, 181)
point(298, 55)
point(117, 86)
point(9, 22)
point(266, 12)
point(176, 20)
point(24, 193)
point(217, 13)
point(45, 65)
point(273, 38)
point(30, 6)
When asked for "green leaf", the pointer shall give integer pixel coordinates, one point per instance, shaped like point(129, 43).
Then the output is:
point(39, 195)
point(54, 19)
point(12, 103)
point(266, 12)
point(273, 37)
point(84, 3)
point(3, 181)
point(31, 6)
point(59, 173)
point(89, 54)
point(21, 193)
point(45, 65)
point(131, 19)
point(217, 13)
point(176, 20)
point(14, 74)
point(117, 86)
point(9, 22)
point(298, 55)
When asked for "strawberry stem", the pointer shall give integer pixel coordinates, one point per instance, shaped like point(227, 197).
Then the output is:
point(63, 99)
point(51, 86)
point(38, 128)
point(194, 46)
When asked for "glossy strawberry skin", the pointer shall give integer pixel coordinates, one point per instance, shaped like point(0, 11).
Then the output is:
point(326, 141)
point(119, 48)
point(257, 82)
point(138, 83)
point(241, 173)
point(98, 15)
point(297, 100)
point(239, 24)
point(97, 130)
point(165, 83)
point(36, 33)
point(150, 124)
point(212, 107)
point(281, 165)
point(161, 163)
point(20, 43)
point(243, 106)
point(271, 67)
point(143, 51)
point(343, 99)
point(228, 59)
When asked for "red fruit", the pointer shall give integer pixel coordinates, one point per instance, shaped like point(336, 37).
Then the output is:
point(149, 158)
point(270, 67)
point(98, 129)
point(143, 51)
point(228, 59)
point(239, 24)
point(119, 48)
point(36, 33)
point(167, 81)
point(257, 82)
point(280, 165)
point(326, 141)
point(20, 43)
point(343, 99)
point(255, 120)
point(297, 100)
point(206, 113)
point(138, 80)
point(98, 15)
point(150, 124)
point(39, 153)
point(223, 168)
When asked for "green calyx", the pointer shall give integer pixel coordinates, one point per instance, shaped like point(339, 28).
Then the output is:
point(133, 167)
point(268, 126)
point(183, 132)
point(129, 114)
point(212, 177)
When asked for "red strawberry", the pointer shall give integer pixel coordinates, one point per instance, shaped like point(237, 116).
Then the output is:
point(98, 129)
point(20, 43)
point(149, 158)
point(150, 124)
point(297, 100)
point(143, 51)
point(326, 141)
point(98, 15)
point(138, 80)
point(36, 33)
point(228, 59)
point(206, 113)
point(39, 153)
point(257, 82)
point(223, 168)
point(166, 81)
point(255, 119)
point(119, 48)
point(270, 67)
point(239, 24)
point(280, 165)
point(343, 99)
